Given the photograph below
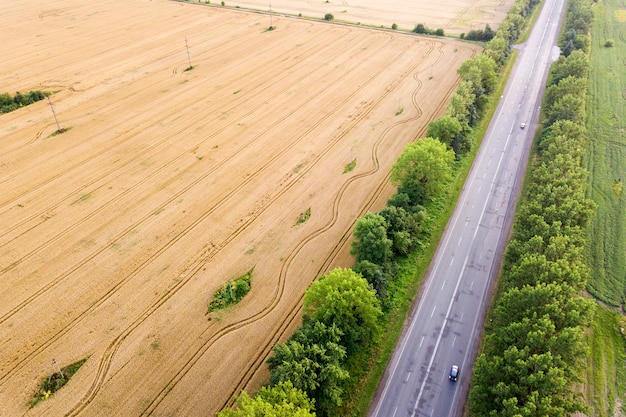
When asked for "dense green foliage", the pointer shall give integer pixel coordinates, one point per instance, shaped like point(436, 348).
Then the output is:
point(313, 361)
point(280, 400)
point(425, 166)
point(482, 35)
point(341, 319)
point(344, 299)
point(534, 350)
point(371, 242)
point(8, 103)
point(424, 30)
point(231, 292)
point(577, 27)
point(605, 159)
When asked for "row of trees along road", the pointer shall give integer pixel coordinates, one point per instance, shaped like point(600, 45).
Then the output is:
point(534, 351)
point(318, 369)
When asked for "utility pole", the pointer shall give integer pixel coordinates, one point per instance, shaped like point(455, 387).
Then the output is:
point(58, 127)
point(54, 363)
point(271, 25)
point(188, 56)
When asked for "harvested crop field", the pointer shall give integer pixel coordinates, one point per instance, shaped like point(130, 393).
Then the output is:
point(115, 234)
point(454, 16)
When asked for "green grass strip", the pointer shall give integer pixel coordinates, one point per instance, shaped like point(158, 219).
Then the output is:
point(606, 375)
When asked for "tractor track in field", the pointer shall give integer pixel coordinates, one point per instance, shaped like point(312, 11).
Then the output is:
point(109, 293)
point(459, 16)
point(201, 259)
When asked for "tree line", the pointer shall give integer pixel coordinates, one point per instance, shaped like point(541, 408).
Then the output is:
point(534, 349)
point(9, 103)
point(318, 368)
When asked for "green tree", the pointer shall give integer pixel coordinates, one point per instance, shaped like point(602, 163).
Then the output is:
point(444, 128)
point(567, 107)
point(6, 99)
point(569, 85)
point(451, 132)
point(345, 299)
point(482, 71)
point(575, 65)
point(561, 303)
point(426, 163)
point(533, 269)
point(375, 275)
point(565, 134)
point(462, 104)
point(371, 241)
point(420, 28)
point(312, 361)
point(498, 50)
point(402, 228)
point(281, 400)
point(519, 383)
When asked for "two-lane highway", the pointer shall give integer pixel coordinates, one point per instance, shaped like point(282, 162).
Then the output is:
point(443, 328)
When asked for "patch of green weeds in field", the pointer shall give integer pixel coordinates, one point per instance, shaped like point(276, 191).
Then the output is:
point(231, 292)
point(83, 197)
point(298, 168)
point(55, 381)
point(350, 166)
point(59, 131)
point(304, 216)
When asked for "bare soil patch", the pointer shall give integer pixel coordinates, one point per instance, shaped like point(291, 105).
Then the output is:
point(115, 234)
point(454, 16)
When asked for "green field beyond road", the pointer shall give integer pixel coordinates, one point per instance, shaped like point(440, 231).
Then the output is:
point(606, 155)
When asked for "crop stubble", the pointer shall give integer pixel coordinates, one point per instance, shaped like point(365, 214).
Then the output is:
point(454, 16)
point(114, 234)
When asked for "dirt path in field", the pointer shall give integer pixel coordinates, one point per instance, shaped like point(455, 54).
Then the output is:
point(115, 234)
point(454, 16)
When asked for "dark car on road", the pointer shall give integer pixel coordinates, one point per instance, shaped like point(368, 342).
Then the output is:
point(454, 373)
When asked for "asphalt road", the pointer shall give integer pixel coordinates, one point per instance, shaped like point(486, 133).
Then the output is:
point(444, 328)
